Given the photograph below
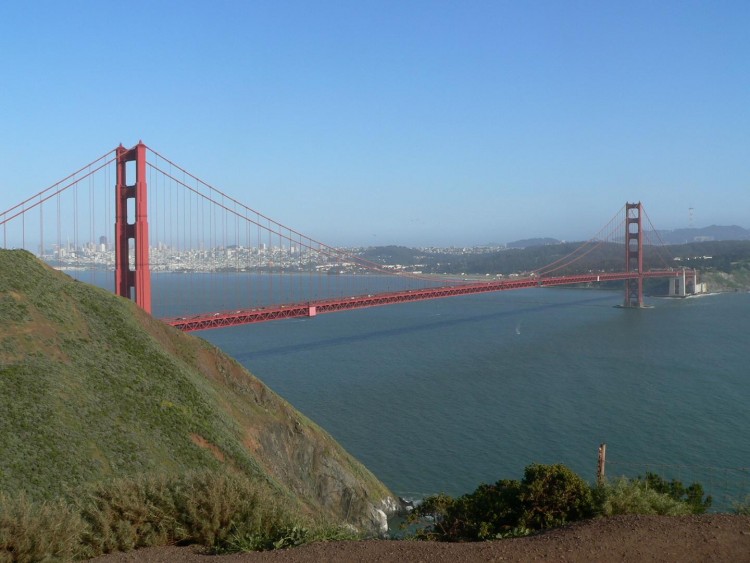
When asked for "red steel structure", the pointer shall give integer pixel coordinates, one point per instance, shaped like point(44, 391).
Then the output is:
point(313, 308)
point(138, 280)
point(634, 254)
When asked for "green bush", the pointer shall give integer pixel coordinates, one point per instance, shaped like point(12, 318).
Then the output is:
point(692, 495)
point(441, 510)
point(552, 495)
point(548, 495)
point(488, 511)
point(625, 496)
point(283, 537)
point(493, 509)
point(742, 507)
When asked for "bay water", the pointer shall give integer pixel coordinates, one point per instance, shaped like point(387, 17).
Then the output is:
point(440, 396)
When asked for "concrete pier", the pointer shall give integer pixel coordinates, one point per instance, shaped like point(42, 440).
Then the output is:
point(685, 285)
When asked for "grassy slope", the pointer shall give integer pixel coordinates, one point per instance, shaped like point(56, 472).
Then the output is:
point(91, 387)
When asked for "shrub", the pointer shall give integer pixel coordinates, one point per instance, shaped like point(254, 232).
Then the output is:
point(548, 495)
point(742, 507)
point(283, 537)
point(439, 509)
point(214, 506)
point(255, 540)
point(223, 511)
point(207, 508)
point(125, 514)
point(552, 495)
point(493, 509)
point(692, 495)
point(625, 496)
point(37, 531)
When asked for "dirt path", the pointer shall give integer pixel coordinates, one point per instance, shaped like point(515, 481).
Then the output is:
point(716, 537)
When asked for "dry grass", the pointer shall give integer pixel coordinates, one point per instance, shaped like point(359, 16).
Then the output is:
point(224, 511)
point(38, 531)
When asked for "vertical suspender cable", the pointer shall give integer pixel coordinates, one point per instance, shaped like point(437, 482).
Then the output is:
point(175, 211)
point(90, 243)
point(269, 266)
point(75, 222)
point(154, 252)
point(213, 244)
point(280, 268)
point(41, 228)
point(59, 232)
point(260, 260)
point(108, 205)
point(251, 272)
point(237, 249)
point(188, 239)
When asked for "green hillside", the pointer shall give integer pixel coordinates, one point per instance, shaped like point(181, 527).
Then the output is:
point(92, 388)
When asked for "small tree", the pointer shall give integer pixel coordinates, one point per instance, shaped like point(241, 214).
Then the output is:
point(692, 495)
point(492, 510)
point(552, 495)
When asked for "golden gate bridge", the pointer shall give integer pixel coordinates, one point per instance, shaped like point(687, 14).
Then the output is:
point(168, 221)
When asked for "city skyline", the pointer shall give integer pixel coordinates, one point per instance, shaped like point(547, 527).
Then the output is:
point(415, 124)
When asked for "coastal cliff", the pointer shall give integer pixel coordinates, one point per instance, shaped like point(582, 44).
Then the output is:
point(737, 280)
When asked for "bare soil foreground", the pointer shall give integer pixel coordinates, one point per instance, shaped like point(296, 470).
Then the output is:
point(714, 537)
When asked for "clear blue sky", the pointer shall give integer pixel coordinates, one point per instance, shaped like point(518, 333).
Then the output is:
point(396, 122)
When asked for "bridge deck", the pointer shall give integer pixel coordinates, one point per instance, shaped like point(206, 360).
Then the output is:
point(313, 308)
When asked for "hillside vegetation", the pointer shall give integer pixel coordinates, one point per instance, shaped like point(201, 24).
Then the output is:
point(93, 389)
point(725, 264)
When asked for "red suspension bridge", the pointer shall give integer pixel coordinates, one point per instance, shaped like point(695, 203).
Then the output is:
point(248, 267)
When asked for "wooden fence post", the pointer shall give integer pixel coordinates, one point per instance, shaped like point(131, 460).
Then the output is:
point(601, 464)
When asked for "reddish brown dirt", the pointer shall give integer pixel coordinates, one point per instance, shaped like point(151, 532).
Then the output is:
point(716, 537)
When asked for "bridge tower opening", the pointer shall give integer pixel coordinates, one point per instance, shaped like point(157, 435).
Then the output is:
point(634, 254)
point(133, 283)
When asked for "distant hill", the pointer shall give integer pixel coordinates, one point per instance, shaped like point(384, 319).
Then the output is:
point(530, 242)
point(392, 254)
point(704, 234)
point(731, 257)
point(91, 388)
point(677, 236)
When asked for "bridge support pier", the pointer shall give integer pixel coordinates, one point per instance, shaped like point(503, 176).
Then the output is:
point(685, 285)
point(132, 283)
point(634, 254)
point(678, 286)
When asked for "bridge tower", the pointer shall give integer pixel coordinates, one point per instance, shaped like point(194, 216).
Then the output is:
point(634, 254)
point(132, 283)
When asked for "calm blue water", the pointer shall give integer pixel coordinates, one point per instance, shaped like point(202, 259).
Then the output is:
point(443, 395)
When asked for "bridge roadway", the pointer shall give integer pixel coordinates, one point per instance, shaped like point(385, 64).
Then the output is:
point(313, 308)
